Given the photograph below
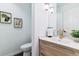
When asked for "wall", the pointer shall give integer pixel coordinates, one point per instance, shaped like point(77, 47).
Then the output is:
point(40, 21)
point(12, 38)
point(52, 18)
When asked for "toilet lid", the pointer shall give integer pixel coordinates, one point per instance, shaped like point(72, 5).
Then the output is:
point(27, 45)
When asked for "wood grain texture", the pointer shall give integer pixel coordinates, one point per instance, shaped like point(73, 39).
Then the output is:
point(53, 49)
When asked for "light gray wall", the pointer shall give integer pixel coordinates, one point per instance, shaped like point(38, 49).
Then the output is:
point(12, 38)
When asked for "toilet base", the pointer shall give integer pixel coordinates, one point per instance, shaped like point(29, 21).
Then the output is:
point(26, 53)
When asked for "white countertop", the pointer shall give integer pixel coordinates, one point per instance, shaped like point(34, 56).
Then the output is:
point(65, 41)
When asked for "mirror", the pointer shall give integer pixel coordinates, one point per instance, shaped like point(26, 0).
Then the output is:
point(68, 16)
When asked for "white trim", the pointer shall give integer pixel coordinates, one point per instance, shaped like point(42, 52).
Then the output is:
point(33, 27)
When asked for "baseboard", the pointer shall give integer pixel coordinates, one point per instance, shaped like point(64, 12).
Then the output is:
point(14, 53)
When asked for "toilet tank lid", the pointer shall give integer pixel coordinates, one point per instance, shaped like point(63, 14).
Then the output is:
point(27, 45)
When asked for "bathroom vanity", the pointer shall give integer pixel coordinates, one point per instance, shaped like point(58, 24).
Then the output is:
point(58, 47)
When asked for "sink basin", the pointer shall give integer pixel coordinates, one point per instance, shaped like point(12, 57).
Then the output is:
point(62, 41)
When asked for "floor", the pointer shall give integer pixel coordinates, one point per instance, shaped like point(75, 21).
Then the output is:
point(20, 54)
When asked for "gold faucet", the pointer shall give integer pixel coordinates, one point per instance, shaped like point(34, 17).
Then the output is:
point(61, 33)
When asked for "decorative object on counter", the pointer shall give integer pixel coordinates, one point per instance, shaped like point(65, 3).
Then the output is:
point(61, 33)
point(75, 35)
point(18, 22)
point(5, 17)
point(49, 32)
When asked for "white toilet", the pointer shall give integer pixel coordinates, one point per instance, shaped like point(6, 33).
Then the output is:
point(26, 48)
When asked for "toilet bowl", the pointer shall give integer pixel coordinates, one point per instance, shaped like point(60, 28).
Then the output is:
point(26, 48)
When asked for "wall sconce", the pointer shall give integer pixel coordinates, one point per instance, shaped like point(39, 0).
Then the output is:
point(49, 7)
point(46, 6)
point(51, 10)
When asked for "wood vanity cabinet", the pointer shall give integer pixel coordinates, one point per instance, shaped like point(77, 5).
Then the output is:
point(47, 48)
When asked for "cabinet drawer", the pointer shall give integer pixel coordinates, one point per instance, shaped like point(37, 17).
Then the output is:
point(55, 49)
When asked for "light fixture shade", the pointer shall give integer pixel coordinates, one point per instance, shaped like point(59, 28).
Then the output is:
point(46, 6)
point(51, 10)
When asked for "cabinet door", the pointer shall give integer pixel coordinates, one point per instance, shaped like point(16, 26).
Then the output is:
point(50, 51)
point(48, 48)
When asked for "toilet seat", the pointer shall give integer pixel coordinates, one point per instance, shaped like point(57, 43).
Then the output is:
point(26, 47)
